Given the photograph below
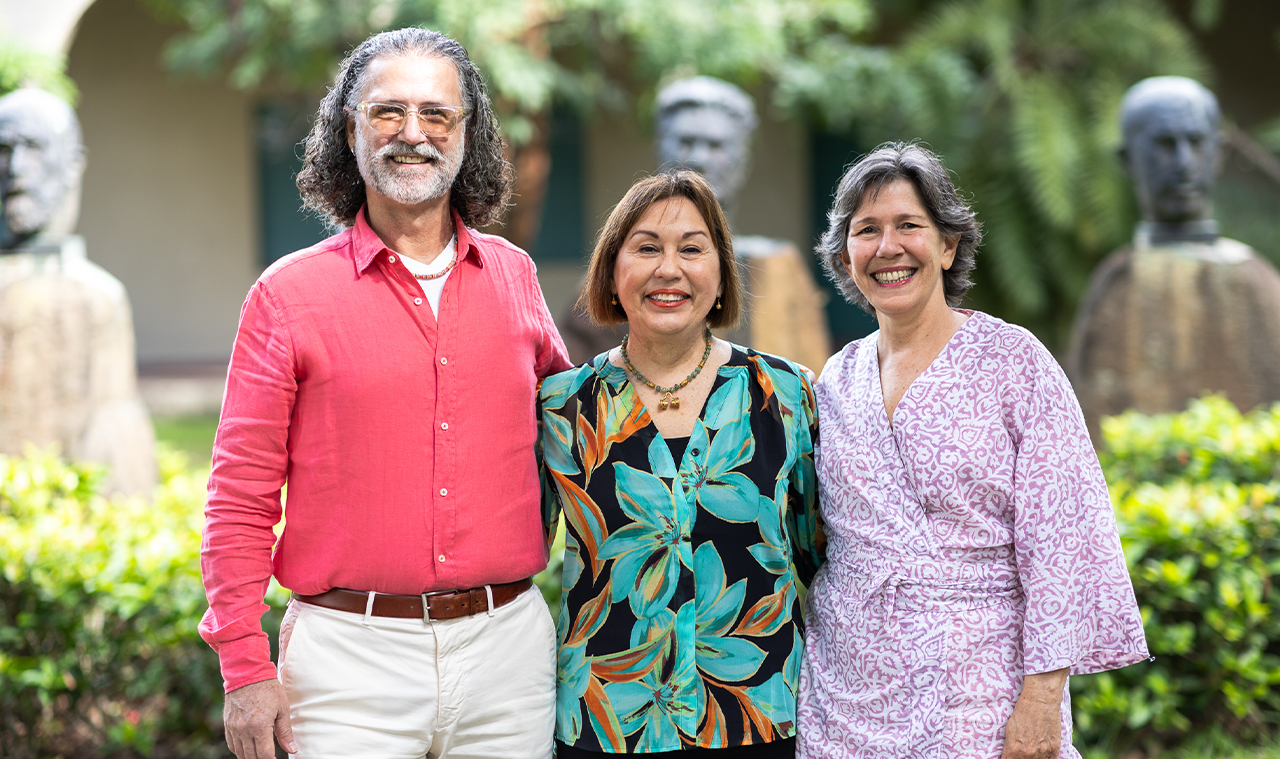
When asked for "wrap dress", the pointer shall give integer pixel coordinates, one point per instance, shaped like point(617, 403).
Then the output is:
point(970, 542)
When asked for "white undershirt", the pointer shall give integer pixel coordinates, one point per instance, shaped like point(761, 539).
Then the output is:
point(433, 288)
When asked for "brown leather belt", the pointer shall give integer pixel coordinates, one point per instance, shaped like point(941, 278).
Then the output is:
point(448, 604)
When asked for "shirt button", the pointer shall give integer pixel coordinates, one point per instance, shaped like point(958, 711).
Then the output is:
point(442, 558)
point(444, 360)
point(444, 425)
point(417, 301)
point(444, 491)
point(695, 451)
point(392, 259)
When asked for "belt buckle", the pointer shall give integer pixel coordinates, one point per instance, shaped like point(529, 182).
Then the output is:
point(426, 607)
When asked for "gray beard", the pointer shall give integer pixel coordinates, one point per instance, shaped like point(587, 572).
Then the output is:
point(381, 174)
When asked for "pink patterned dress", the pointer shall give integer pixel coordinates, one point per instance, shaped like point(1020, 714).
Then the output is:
point(970, 543)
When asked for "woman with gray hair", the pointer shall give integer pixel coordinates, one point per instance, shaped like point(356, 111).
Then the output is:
point(973, 560)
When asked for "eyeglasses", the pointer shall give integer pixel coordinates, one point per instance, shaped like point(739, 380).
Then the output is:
point(435, 120)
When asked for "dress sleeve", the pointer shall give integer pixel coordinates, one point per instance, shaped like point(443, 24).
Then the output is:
point(250, 461)
point(550, 497)
point(804, 523)
point(1081, 611)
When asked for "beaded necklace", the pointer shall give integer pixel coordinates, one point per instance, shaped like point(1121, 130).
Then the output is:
point(441, 273)
point(669, 398)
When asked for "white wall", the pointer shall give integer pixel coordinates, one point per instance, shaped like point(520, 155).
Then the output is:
point(170, 192)
point(45, 26)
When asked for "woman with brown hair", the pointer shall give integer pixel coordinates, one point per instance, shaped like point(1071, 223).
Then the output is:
point(684, 467)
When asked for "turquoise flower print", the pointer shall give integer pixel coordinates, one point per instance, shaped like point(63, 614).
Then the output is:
point(771, 552)
point(724, 659)
point(650, 550)
point(727, 494)
point(572, 677)
point(657, 704)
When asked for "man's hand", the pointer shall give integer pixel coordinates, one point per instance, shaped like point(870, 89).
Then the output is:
point(1034, 730)
point(251, 714)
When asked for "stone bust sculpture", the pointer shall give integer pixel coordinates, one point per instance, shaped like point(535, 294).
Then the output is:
point(1182, 311)
point(67, 365)
point(706, 124)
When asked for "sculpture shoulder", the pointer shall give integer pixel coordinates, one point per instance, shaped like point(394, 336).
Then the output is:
point(71, 272)
point(1115, 266)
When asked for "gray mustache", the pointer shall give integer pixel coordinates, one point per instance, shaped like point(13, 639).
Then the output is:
point(422, 150)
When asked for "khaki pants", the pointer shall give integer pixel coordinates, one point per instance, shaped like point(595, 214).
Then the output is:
point(481, 687)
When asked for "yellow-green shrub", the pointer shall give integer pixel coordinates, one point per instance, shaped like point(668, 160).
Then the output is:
point(99, 601)
point(1197, 495)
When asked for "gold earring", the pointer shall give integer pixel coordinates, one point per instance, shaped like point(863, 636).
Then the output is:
point(717, 304)
point(613, 299)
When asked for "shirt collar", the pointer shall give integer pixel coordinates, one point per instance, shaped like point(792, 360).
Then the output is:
point(367, 245)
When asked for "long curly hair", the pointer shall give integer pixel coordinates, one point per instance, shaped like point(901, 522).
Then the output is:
point(330, 180)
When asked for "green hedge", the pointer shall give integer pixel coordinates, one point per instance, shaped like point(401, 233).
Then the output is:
point(1197, 495)
point(99, 599)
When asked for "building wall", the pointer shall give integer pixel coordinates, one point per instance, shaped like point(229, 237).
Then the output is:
point(45, 26)
point(170, 192)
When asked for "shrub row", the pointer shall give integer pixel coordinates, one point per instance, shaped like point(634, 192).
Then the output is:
point(99, 601)
point(1197, 495)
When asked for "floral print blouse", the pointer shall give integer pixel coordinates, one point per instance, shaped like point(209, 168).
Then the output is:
point(679, 625)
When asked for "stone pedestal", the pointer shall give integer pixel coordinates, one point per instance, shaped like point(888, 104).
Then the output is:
point(1163, 325)
point(67, 365)
point(786, 311)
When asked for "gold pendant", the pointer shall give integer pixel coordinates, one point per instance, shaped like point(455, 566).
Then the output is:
point(668, 401)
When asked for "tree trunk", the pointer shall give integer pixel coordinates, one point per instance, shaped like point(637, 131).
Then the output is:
point(533, 167)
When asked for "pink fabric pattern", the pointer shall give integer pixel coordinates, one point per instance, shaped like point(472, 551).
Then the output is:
point(970, 544)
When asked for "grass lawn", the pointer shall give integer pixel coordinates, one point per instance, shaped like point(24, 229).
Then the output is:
point(193, 435)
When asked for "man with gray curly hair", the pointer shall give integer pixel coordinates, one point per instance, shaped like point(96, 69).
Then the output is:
point(388, 375)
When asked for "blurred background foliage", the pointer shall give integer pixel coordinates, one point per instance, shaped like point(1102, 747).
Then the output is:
point(1020, 96)
point(1197, 496)
point(584, 54)
point(20, 67)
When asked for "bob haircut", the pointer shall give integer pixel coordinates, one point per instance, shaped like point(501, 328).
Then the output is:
point(888, 163)
point(597, 294)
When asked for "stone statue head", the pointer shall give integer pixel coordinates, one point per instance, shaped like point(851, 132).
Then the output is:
point(705, 124)
point(1171, 148)
point(41, 165)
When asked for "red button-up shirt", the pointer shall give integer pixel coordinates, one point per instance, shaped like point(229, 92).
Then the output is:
point(407, 442)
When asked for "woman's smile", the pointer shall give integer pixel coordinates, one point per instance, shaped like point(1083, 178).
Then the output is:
point(668, 298)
